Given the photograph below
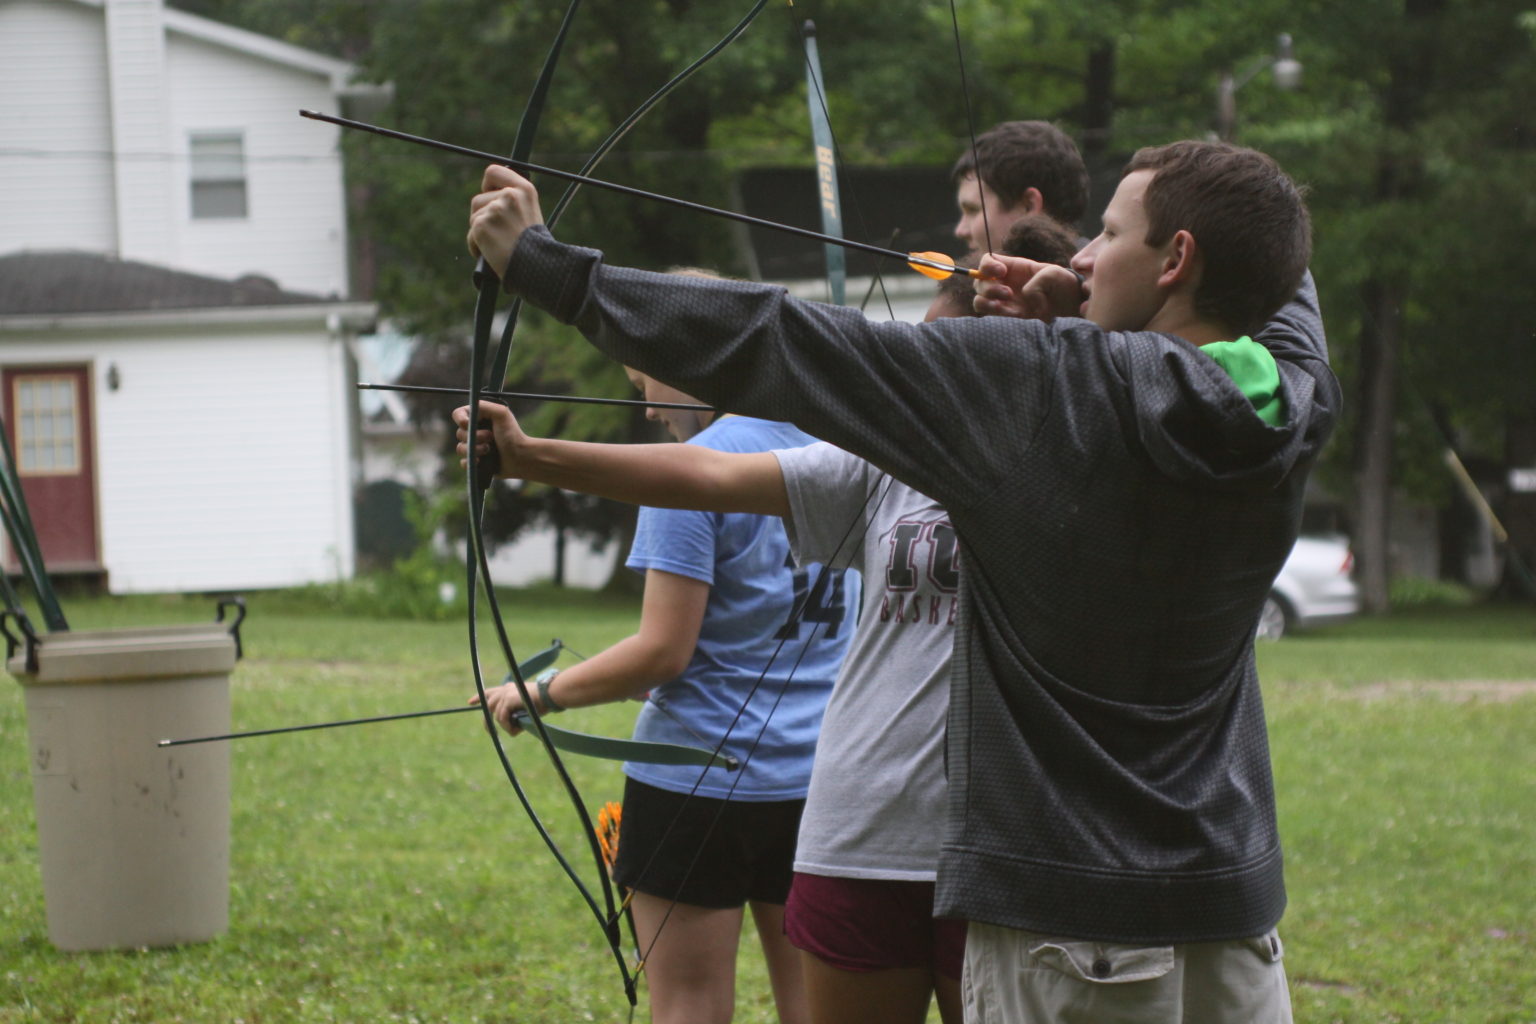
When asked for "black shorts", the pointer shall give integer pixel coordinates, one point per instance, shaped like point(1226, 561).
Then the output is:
point(674, 848)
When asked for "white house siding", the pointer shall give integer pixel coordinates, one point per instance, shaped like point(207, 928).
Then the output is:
point(56, 180)
point(146, 225)
point(195, 492)
point(69, 102)
point(295, 229)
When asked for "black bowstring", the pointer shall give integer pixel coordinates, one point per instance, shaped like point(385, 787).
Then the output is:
point(867, 514)
point(970, 125)
point(797, 615)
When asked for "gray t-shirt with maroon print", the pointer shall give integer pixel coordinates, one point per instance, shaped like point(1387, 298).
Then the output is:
point(877, 799)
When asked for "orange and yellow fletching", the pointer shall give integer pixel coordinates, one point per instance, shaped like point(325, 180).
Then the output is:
point(939, 266)
point(933, 264)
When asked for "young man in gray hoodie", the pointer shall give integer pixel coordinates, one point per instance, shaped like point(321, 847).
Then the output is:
point(1124, 485)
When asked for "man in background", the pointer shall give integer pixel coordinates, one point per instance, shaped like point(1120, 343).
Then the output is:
point(1017, 169)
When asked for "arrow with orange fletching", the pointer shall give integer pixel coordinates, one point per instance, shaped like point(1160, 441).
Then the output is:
point(939, 266)
point(930, 264)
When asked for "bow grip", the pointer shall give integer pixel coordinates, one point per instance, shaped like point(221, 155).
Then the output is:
point(483, 275)
point(489, 464)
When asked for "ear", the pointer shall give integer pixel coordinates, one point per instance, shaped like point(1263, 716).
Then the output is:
point(1182, 262)
point(1031, 202)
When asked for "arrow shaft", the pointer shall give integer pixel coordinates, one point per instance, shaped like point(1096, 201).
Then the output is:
point(315, 725)
point(523, 166)
point(504, 396)
point(565, 739)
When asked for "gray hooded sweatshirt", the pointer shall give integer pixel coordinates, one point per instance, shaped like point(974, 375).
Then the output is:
point(1121, 512)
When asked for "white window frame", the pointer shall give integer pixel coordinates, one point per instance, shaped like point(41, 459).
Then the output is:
point(218, 183)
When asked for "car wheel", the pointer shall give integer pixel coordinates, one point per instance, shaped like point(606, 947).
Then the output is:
point(1272, 620)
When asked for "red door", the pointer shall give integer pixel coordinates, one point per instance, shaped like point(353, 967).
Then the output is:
point(48, 424)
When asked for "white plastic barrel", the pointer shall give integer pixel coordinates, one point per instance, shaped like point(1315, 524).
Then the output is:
point(133, 838)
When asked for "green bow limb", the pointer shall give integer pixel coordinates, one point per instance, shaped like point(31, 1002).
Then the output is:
point(581, 743)
point(608, 747)
point(640, 751)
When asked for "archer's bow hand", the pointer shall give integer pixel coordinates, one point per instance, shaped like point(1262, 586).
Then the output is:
point(507, 205)
point(497, 435)
point(1013, 286)
point(505, 703)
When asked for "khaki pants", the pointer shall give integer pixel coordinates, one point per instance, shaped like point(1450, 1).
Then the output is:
point(1018, 977)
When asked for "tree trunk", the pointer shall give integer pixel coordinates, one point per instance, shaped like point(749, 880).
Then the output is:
point(622, 581)
point(1098, 101)
point(1399, 176)
point(1376, 402)
point(1098, 120)
point(560, 518)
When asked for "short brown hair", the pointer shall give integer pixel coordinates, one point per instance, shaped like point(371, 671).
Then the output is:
point(958, 292)
point(1042, 239)
point(1019, 155)
point(1247, 217)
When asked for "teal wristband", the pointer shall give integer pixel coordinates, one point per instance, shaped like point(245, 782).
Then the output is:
point(541, 683)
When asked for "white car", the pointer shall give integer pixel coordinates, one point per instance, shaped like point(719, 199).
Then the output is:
point(1314, 586)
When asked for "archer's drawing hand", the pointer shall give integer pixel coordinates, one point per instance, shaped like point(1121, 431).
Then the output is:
point(504, 702)
point(504, 440)
point(507, 205)
point(1013, 286)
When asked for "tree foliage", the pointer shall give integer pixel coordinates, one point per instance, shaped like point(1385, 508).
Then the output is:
point(1413, 128)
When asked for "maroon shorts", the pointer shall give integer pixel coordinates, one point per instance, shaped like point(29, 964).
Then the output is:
point(871, 924)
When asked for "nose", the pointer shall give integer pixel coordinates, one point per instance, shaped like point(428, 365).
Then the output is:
point(1082, 262)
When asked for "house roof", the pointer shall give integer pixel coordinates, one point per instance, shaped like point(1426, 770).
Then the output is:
point(339, 72)
point(63, 283)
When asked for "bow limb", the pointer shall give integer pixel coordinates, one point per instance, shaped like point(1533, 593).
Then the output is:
point(496, 373)
point(476, 566)
point(497, 378)
point(607, 747)
point(494, 378)
point(503, 356)
point(614, 749)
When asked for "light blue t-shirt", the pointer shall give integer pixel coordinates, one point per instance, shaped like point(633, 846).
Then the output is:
point(750, 632)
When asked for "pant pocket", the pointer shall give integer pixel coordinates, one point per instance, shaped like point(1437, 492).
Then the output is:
point(1269, 947)
point(1102, 963)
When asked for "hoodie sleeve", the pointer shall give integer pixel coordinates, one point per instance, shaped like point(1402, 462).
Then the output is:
point(1294, 336)
point(924, 402)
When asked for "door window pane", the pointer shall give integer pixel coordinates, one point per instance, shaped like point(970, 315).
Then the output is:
point(47, 425)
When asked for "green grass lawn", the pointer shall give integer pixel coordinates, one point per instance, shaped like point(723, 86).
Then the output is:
point(385, 873)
